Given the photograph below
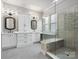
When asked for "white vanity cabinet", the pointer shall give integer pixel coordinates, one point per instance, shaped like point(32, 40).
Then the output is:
point(35, 37)
point(8, 40)
point(26, 39)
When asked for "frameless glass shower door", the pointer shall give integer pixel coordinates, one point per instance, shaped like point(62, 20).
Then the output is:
point(64, 43)
point(68, 30)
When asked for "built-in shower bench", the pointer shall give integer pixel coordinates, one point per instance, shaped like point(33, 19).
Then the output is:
point(51, 44)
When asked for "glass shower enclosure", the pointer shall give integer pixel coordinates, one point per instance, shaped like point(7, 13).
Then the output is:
point(62, 29)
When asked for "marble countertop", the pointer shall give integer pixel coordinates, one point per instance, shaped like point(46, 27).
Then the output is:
point(51, 40)
point(21, 32)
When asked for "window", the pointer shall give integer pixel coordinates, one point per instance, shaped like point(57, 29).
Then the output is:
point(50, 24)
point(54, 23)
point(46, 26)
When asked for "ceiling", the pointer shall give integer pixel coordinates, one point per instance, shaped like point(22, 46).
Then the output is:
point(37, 5)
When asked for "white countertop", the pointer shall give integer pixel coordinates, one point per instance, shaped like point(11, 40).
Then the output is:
point(28, 32)
point(51, 40)
point(21, 32)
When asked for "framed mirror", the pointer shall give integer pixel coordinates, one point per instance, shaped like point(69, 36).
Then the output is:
point(33, 24)
point(10, 23)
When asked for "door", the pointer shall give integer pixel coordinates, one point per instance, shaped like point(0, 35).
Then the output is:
point(24, 23)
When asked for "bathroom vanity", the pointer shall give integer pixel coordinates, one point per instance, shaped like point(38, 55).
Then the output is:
point(12, 40)
point(23, 35)
point(8, 40)
point(25, 39)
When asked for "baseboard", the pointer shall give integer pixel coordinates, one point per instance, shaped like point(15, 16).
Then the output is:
point(7, 48)
point(37, 42)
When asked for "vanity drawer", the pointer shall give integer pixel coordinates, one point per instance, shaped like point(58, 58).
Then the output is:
point(22, 35)
point(24, 40)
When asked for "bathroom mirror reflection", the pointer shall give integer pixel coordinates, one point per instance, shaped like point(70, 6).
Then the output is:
point(33, 24)
point(9, 23)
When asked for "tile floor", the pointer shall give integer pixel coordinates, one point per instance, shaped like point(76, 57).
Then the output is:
point(62, 55)
point(28, 52)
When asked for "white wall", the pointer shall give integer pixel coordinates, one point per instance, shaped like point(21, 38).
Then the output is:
point(16, 11)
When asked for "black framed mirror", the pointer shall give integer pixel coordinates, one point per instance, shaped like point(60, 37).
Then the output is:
point(33, 24)
point(10, 23)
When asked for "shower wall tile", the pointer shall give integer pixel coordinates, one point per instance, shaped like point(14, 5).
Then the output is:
point(67, 25)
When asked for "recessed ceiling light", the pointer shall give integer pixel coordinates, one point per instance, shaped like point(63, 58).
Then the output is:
point(55, 0)
point(34, 7)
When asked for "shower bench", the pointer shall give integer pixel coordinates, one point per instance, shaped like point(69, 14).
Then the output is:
point(51, 45)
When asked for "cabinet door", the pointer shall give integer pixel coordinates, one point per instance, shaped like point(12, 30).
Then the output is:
point(8, 40)
point(20, 40)
point(27, 24)
point(24, 23)
point(23, 40)
point(35, 37)
point(29, 38)
point(21, 23)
